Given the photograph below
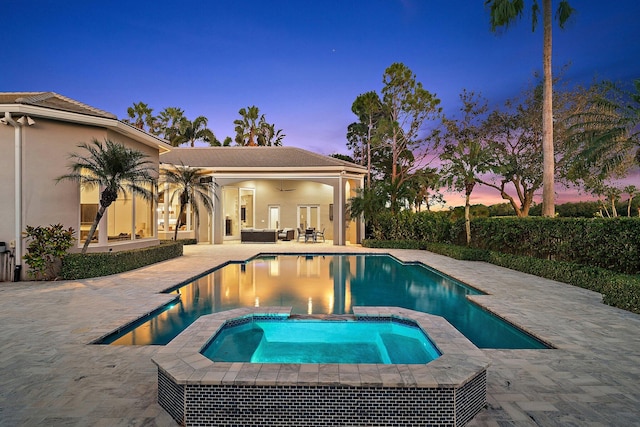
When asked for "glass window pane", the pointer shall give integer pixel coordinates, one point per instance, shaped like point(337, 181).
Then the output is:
point(119, 220)
point(144, 217)
point(89, 203)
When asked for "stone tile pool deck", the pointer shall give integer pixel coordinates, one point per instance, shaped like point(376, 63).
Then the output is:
point(50, 376)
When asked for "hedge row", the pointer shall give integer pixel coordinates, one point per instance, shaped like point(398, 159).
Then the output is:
point(613, 244)
point(79, 266)
point(406, 225)
point(618, 290)
point(394, 244)
point(608, 243)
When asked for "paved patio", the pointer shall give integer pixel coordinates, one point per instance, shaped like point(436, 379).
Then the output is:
point(50, 376)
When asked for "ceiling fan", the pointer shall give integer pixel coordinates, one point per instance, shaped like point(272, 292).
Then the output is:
point(285, 189)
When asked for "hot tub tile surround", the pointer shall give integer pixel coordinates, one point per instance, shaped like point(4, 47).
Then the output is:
point(196, 391)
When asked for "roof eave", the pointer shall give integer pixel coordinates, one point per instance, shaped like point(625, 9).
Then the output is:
point(240, 169)
point(85, 119)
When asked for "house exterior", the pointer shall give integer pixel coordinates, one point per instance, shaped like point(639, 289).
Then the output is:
point(38, 132)
point(268, 188)
point(255, 187)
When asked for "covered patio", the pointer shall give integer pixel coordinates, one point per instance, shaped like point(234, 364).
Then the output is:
point(270, 188)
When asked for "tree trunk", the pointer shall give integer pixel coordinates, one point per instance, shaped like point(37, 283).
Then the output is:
point(178, 224)
point(369, 154)
point(548, 192)
point(92, 230)
point(629, 207)
point(467, 217)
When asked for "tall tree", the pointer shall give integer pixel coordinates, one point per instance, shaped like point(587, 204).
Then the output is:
point(187, 184)
point(115, 169)
point(466, 156)
point(140, 115)
point(407, 106)
point(515, 136)
point(192, 131)
point(505, 12)
point(368, 108)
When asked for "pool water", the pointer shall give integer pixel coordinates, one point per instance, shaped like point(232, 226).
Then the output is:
point(321, 341)
point(326, 284)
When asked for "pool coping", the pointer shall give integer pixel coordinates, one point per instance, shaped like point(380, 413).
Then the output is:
point(459, 363)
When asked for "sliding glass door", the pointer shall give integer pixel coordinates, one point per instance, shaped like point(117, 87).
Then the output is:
point(309, 216)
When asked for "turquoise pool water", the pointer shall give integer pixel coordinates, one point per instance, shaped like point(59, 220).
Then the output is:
point(325, 284)
point(321, 341)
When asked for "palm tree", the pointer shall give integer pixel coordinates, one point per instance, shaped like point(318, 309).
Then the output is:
point(369, 203)
point(192, 131)
point(607, 133)
point(247, 126)
point(503, 13)
point(115, 169)
point(268, 135)
point(420, 186)
point(169, 122)
point(140, 115)
point(187, 184)
point(632, 191)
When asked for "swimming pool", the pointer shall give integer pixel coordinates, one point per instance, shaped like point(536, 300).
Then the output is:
point(325, 284)
point(321, 341)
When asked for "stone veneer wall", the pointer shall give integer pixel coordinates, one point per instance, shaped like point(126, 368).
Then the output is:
point(290, 405)
point(448, 391)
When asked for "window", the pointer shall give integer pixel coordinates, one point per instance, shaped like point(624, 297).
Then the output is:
point(89, 199)
point(128, 217)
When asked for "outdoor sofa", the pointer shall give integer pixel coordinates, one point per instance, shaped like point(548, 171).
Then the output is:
point(254, 235)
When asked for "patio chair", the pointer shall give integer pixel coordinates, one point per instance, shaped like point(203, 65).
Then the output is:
point(309, 234)
point(320, 234)
point(300, 234)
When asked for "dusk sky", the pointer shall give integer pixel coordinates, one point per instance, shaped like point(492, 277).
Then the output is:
point(302, 63)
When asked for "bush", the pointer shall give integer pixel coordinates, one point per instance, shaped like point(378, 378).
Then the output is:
point(79, 266)
point(618, 290)
point(406, 225)
point(613, 244)
point(46, 248)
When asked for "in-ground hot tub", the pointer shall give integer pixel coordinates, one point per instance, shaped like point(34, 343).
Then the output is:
point(198, 391)
point(333, 340)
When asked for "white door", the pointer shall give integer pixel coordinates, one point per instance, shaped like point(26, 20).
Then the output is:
point(274, 217)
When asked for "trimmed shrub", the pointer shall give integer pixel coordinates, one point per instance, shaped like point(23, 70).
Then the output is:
point(406, 225)
point(613, 244)
point(618, 290)
point(79, 266)
point(394, 244)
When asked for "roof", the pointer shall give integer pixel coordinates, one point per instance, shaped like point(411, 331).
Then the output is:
point(54, 106)
point(253, 157)
point(53, 101)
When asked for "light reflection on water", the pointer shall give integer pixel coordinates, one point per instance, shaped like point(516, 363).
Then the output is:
point(329, 284)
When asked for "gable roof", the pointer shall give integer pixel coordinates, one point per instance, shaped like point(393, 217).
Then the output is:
point(51, 105)
point(242, 158)
point(53, 101)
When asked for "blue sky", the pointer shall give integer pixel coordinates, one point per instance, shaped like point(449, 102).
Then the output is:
point(301, 62)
